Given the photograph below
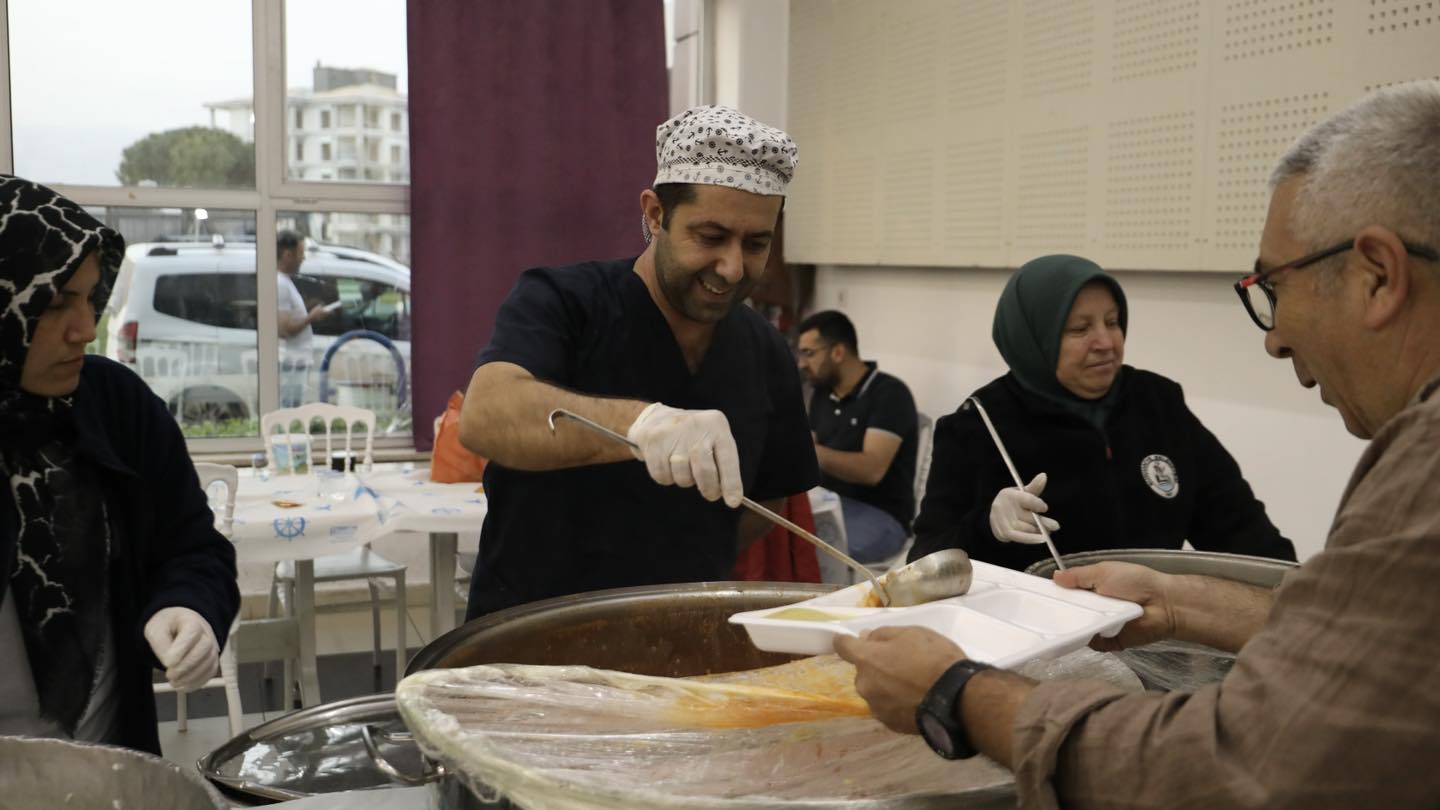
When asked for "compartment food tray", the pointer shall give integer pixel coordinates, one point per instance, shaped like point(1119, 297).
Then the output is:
point(1006, 619)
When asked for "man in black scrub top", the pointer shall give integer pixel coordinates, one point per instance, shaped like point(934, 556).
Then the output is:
point(661, 349)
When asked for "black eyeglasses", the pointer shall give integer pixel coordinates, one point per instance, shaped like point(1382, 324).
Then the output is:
point(1257, 292)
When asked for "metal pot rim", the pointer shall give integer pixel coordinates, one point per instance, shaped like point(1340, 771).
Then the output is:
point(149, 760)
point(1102, 555)
point(440, 647)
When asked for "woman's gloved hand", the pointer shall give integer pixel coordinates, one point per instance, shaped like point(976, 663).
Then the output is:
point(689, 449)
point(1014, 510)
point(185, 645)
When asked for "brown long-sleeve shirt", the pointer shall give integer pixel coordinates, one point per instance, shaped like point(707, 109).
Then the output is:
point(1334, 703)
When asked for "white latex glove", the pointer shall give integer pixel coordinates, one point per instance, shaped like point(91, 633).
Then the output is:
point(1013, 513)
point(689, 449)
point(185, 645)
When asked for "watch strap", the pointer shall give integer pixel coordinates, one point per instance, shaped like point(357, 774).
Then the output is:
point(939, 707)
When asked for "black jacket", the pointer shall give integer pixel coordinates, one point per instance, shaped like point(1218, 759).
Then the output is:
point(165, 549)
point(1106, 488)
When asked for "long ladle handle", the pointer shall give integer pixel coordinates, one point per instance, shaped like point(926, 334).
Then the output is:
point(746, 502)
point(999, 445)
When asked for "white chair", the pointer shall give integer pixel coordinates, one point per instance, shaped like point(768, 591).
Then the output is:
point(202, 359)
point(284, 420)
point(228, 678)
point(360, 563)
point(830, 527)
point(156, 362)
point(924, 445)
point(165, 369)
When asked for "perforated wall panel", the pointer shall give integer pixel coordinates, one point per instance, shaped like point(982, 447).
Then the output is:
point(1138, 132)
point(974, 222)
point(1052, 180)
point(1155, 37)
point(1249, 137)
point(1058, 46)
point(976, 44)
point(1150, 182)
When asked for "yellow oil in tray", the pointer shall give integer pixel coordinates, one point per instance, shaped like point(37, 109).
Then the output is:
point(799, 614)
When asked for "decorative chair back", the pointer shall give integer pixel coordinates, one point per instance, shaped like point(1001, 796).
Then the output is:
point(209, 474)
point(161, 363)
point(284, 420)
point(924, 444)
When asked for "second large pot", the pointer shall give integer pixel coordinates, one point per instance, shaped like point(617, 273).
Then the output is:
point(1261, 571)
point(1169, 665)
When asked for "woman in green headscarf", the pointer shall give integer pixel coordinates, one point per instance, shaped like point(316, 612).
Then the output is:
point(1131, 466)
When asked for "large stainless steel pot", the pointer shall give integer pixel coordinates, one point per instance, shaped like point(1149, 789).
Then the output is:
point(39, 773)
point(665, 630)
point(1261, 571)
point(1169, 665)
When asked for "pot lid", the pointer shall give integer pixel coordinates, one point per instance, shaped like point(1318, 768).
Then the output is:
point(314, 751)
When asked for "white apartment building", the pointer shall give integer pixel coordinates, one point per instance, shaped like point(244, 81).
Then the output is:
point(351, 125)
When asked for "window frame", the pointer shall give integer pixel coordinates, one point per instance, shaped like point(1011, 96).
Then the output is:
point(272, 193)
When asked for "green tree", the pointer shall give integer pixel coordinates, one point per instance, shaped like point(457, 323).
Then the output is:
point(190, 157)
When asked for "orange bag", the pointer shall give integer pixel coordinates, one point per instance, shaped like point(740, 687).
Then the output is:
point(450, 462)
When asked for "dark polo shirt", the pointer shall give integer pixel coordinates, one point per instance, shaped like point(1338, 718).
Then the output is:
point(878, 402)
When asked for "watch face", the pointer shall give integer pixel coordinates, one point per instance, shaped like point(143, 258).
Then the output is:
point(937, 735)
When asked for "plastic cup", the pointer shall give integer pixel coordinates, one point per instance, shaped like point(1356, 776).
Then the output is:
point(330, 485)
point(260, 466)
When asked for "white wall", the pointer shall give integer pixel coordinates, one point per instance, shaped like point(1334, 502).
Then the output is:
point(688, 63)
point(931, 326)
point(751, 40)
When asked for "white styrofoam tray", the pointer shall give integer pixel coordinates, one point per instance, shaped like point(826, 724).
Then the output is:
point(1006, 619)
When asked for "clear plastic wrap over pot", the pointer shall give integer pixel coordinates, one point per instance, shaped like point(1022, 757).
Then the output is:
point(1170, 665)
point(576, 738)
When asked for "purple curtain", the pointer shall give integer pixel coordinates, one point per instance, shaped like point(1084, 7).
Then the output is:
point(532, 134)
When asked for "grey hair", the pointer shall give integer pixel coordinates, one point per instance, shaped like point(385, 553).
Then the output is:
point(1376, 162)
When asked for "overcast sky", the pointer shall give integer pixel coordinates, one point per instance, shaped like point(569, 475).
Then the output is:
point(156, 64)
point(90, 77)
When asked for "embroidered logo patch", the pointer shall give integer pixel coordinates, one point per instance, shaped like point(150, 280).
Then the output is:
point(1159, 474)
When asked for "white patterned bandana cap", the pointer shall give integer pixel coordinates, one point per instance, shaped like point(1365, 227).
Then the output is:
point(718, 146)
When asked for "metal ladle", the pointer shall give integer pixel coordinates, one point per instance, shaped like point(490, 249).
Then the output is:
point(938, 575)
point(1014, 474)
point(886, 597)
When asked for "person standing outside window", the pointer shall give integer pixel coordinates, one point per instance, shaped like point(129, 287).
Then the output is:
point(294, 319)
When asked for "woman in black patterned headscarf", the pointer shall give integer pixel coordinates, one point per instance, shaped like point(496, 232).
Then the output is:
point(105, 539)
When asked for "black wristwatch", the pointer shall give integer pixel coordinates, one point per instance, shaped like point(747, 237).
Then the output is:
point(936, 714)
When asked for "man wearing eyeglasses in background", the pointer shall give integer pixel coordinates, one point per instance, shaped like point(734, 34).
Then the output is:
point(866, 435)
point(1334, 699)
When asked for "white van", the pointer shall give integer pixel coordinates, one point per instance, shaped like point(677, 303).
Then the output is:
point(184, 315)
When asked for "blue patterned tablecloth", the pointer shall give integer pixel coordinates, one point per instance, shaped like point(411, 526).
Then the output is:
point(285, 517)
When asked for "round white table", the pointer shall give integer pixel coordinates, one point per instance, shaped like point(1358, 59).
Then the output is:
point(286, 517)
